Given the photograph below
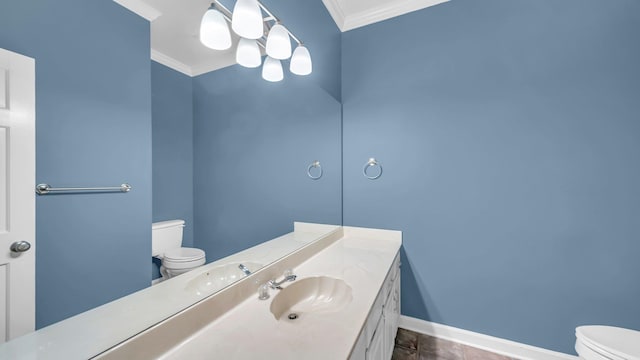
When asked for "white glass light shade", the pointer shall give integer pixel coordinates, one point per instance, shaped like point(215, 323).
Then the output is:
point(278, 43)
point(272, 69)
point(246, 20)
point(248, 53)
point(301, 61)
point(214, 32)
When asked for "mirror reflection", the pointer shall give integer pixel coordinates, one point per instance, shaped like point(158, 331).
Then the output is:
point(221, 155)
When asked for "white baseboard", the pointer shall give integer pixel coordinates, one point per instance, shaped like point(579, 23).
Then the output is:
point(481, 341)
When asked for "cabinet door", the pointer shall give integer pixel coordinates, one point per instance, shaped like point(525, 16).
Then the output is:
point(389, 326)
point(374, 317)
point(376, 350)
point(360, 348)
point(395, 305)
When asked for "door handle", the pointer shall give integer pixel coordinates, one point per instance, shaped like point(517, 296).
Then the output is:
point(20, 246)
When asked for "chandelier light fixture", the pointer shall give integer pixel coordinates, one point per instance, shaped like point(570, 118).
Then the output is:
point(248, 53)
point(257, 28)
point(214, 32)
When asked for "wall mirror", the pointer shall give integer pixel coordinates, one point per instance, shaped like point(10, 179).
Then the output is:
point(224, 150)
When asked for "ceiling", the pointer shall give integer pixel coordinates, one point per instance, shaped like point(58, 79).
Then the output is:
point(175, 27)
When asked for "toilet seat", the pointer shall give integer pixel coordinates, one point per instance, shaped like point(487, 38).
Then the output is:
point(183, 254)
point(180, 260)
point(607, 342)
point(587, 351)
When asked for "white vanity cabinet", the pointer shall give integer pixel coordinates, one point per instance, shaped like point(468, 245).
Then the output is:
point(377, 338)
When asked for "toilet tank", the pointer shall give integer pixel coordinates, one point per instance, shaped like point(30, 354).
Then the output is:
point(166, 235)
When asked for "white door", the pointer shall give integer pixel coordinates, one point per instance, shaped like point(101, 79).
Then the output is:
point(17, 195)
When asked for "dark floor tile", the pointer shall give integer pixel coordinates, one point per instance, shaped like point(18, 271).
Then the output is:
point(400, 353)
point(431, 348)
point(471, 353)
point(415, 346)
point(407, 339)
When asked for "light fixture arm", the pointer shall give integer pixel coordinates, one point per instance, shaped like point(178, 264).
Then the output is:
point(223, 9)
point(277, 20)
point(271, 16)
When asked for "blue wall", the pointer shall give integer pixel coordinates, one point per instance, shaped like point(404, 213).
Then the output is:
point(93, 128)
point(253, 142)
point(172, 109)
point(508, 131)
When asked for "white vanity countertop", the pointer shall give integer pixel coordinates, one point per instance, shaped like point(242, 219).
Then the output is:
point(90, 333)
point(362, 258)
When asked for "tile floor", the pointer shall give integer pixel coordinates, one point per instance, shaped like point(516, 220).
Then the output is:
point(414, 346)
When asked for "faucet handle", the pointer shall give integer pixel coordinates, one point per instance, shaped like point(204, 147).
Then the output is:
point(263, 291)
point(244, 269)
point(289, 275)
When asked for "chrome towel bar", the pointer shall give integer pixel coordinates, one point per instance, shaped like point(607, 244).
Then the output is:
point(43, 189)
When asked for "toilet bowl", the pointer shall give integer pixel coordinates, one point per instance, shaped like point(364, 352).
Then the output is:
point(166, 240)
point(596, 342)
point(179, 261)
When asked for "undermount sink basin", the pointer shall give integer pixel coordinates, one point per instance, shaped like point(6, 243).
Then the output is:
point(311, 295)
point(220, 277)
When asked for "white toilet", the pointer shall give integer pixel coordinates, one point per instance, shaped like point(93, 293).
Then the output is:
point(596, 342)
point(166, 245)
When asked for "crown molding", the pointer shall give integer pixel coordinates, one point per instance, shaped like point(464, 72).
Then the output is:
point(203, 69)
point(348, 22)
point(333, 6)
point(168, 61)
point(385, 12)
point(179, 66)
point(144, 10)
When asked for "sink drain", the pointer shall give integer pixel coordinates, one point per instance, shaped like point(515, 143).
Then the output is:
point(292, 316)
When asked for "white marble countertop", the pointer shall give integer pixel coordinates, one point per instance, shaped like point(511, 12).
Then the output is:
point(92, 332)
point(362, 258)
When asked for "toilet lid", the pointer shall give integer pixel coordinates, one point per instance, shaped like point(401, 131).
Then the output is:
point(623, 343)
point(184, 254)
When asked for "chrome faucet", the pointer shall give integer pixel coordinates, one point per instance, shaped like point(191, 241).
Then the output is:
point(263, 290)
point(244, 269)
point(288, 276)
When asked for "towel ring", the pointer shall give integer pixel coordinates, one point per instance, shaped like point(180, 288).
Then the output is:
point(372, 163)
point(315, 164)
